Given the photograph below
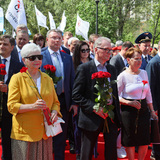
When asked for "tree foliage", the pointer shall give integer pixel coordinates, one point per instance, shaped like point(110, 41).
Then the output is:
point(117, 19)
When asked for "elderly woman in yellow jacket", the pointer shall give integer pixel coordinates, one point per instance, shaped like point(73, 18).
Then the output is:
point(30, 93)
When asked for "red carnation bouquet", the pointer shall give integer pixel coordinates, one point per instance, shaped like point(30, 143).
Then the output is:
point(50, 70)
point(2, 71)
point(104, 94)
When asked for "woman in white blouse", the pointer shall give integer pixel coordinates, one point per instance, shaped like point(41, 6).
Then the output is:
point(136, 105)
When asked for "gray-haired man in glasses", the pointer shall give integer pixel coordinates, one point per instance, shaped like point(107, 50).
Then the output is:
point(90, 121)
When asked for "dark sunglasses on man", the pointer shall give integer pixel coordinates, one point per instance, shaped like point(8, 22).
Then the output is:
point(32, 58)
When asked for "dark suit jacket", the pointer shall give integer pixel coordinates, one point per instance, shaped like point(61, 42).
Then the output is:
point(14, 67)
point(153, 71)
point(14, 54)
point(118, 63)
point(68, 73)
point(83, 95)
point(144, 63)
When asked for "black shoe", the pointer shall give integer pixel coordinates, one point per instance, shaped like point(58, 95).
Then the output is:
point(78, 157)
point(72, 150)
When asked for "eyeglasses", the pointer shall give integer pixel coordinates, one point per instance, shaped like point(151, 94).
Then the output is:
point(85, 50)
point(105, 49)
point(32, 58)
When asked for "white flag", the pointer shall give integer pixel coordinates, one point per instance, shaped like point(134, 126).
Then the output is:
point(63, 22)
point(41, 19)
point(51, 20)
point(16, 13)
point(82, 28)
point(1, 19)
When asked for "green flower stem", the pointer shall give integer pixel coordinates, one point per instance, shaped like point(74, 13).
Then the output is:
point(39, 95)
point(105, 126)
point(138, 112)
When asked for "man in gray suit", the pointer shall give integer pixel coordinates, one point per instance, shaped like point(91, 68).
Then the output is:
point(119, 61)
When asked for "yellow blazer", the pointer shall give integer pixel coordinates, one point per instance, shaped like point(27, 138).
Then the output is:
point(29, 126)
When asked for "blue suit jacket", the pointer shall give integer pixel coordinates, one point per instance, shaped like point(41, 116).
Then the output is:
point(153, 71)
point(68, 73)
point(144, 63)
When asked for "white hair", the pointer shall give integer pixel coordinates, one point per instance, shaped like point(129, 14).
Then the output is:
point(119, 43)
point(72, 39)
point(29, 48)
point(99, 40)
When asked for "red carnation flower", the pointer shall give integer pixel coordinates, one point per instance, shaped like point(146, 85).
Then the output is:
point(144, 82)
point(52, 68)
point(47, 67)
point(107, 75)
point(23, 69)
point(3, 72)
point(94, 75)
point(63, 51)
point(2, 65)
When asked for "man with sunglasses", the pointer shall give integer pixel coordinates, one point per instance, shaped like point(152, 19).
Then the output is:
point(54, 56)
point(12, 66)
point(90, 121)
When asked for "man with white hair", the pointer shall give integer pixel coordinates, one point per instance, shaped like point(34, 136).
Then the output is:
point(119, 43)
point(71, 44)
point(90, 121)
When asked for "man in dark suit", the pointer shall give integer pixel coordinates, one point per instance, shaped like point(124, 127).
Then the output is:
point(119, 61)
point(12, 67)
point(22, 38)
point(54, 56)
point(153, 71)
point(92, 39)
point(144, 42)
point(90, 121)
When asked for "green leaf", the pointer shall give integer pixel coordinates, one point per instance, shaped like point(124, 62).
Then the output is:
point(96, 107)
point(105, 110)
point(111, 114)
point(110, 90)
point(96, 100)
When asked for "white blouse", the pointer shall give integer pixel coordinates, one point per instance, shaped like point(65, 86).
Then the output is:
point(131, 86)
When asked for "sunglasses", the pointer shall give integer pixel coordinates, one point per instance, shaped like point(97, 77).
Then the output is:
point(85, 50)
point(32, 58)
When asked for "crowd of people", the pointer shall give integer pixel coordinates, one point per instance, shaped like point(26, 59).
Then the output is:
point(27, 93)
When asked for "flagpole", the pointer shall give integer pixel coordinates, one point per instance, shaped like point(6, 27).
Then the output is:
point(39, 30)
point(97, 1)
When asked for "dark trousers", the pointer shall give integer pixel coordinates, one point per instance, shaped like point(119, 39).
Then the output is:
point(5, 135)
point(89, 138)
point(156, 147)
point(59, 141)
point(70, 131)
point(77, 135)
